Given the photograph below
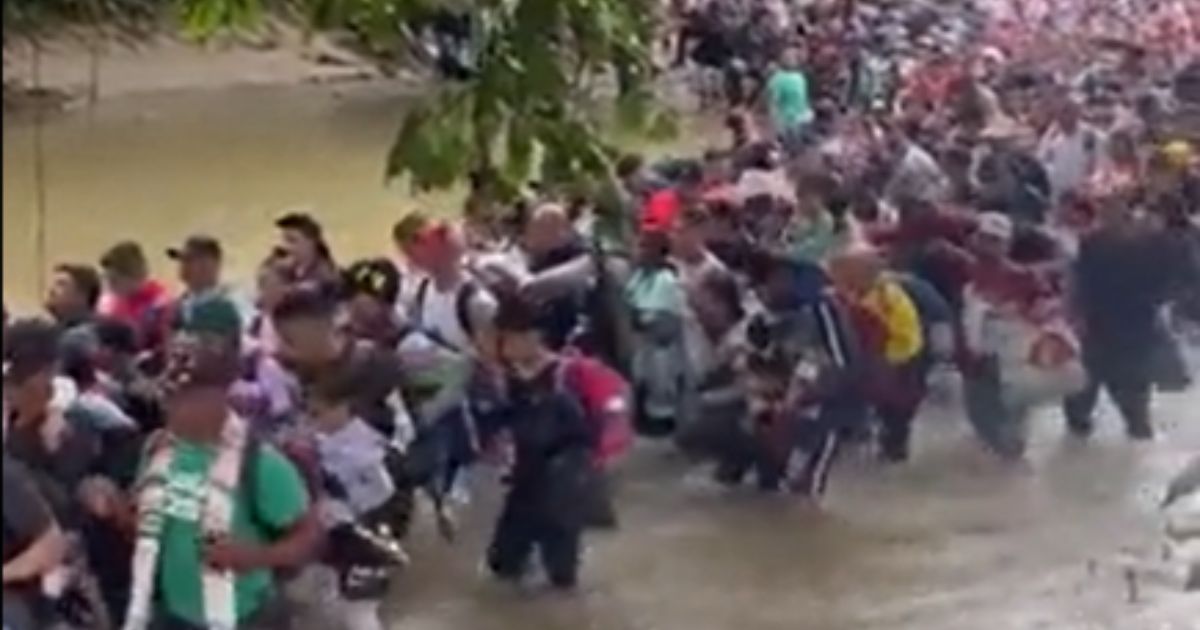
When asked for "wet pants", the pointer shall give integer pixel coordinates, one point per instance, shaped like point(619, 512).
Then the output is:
point(997, 421)
point(1131, 396)
point(1126, 373)
point(770, 451)
point(526, 526)
point(897, 407)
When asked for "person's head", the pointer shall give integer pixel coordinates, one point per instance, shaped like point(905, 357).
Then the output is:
point(441, 250)
point(203, 359)
point(654, 248)
point(857, 270)
point(993, 236)
point(74, 291)
point(690, 184)
point(1069, 112)
point(302, 239)
point(200, 368)
point(30, 363)
point(718, 302)
point(690, 233)
point(272, 282)
point(1123, 148)
point(116, 343)
point(718, 167)
point(519, 342)
point(371, 287)
point(328, 401)
point(405, 236)
point(199, 260)
point(989, 64)
point(793, 58)
point(125, 268)
point(304, 321)
point(548, 229)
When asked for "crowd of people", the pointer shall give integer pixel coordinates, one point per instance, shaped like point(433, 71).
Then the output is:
point(900, 192)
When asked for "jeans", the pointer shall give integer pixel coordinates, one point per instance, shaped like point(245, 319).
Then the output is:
point(999, 423)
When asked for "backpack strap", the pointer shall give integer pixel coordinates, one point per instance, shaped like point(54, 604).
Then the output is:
point(249, 482)
point(462, 306)
point(417, 317)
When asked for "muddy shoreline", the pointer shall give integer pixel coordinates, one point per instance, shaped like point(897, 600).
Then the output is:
point(73, 68)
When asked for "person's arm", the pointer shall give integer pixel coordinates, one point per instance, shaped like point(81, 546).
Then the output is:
point(282, 503)
point(28, 517)
point(43, 555)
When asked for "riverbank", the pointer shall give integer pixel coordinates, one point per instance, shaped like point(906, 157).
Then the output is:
point(76, 66)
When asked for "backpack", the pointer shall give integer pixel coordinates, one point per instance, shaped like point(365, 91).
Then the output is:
point(604, 396)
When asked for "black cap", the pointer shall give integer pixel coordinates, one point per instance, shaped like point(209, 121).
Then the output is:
point(196, 246)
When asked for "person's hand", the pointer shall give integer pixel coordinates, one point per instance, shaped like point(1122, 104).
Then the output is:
point(100, 497)
point(228, 555)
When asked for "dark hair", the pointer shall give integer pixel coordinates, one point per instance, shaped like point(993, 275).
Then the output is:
point(30, 346)
point(86, 280)
point(125, 258)
point(335, 387)
point(309, 227)
point(376, 277)
point(516, 314)
point(116, 335)
point(724, 286)
point(304, 303)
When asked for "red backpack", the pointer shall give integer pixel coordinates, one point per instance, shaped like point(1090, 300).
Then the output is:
point(605, 397)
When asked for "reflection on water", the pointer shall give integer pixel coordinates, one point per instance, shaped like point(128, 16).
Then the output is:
point(157, 168)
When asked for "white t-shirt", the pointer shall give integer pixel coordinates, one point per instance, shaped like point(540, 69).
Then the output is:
point(1070, 159)
point(437, 312)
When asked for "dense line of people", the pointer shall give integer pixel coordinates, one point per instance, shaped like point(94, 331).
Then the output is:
point(192, 459)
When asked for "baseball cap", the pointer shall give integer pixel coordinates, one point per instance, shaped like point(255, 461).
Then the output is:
point(215, 316)
point(196, 246)
point(204, 351)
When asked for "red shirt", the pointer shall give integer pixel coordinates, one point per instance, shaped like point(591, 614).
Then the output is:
point(144, 309)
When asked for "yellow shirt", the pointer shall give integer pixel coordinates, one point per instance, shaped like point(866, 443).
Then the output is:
point(900, 317)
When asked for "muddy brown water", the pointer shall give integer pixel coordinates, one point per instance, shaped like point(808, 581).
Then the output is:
point(155, 168)
point(953, 541)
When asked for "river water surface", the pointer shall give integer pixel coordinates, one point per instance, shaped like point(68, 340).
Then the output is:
point(952, 542)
